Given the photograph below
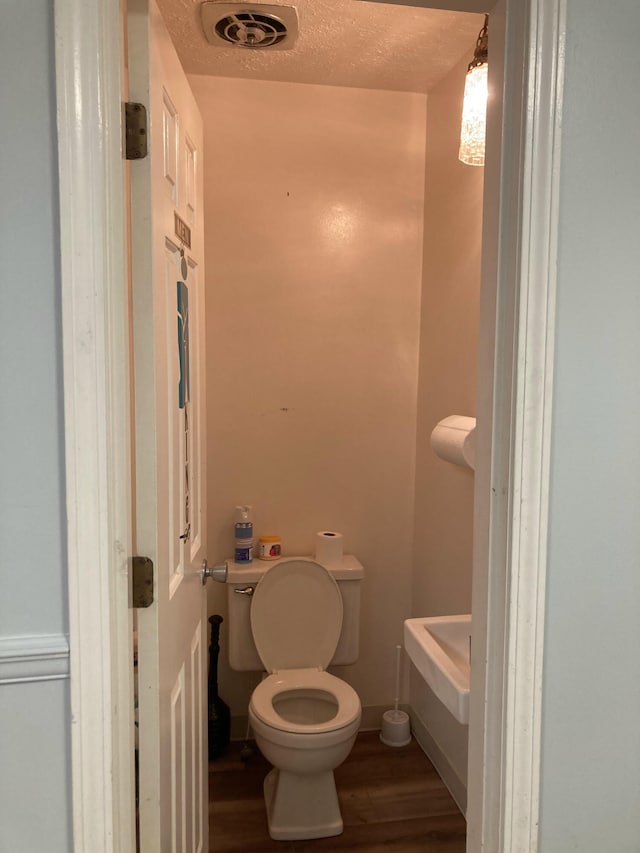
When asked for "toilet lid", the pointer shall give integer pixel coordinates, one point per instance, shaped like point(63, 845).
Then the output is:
point(296, 616)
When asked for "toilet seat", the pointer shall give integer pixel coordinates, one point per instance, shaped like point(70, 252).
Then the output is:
point(296, 619)
point(347, 700)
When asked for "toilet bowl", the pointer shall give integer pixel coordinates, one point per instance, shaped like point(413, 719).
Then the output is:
point(304, 719)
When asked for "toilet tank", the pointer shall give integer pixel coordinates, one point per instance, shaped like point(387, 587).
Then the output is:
point(243, 654)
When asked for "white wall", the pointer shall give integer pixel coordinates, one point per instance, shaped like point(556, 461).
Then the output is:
point(591, 690)
point(443, 541)
point(314, 207)
point(34, 715)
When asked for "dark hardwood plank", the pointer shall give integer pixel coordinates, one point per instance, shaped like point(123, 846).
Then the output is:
point(391, 799)
point(426, 835)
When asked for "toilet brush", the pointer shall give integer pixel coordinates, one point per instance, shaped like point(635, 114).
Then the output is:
point(395, 729)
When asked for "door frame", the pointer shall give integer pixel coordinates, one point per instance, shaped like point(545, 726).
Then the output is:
point(515, 390)
point(516, 347)
point(89, 57)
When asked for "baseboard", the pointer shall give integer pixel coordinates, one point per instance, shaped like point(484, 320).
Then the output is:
point(436, 756)
point(372, 716)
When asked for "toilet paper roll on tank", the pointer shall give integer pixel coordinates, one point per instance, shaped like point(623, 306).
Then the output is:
point(454, 440)
point(329, 547)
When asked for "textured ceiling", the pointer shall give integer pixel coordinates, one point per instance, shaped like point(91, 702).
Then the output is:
point(340, 43)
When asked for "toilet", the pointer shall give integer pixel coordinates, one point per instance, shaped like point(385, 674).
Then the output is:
point(304, 719)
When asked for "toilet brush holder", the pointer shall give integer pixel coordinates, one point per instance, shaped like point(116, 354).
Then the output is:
point(396, 730)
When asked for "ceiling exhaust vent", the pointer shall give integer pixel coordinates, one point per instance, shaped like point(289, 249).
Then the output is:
point(255, 26)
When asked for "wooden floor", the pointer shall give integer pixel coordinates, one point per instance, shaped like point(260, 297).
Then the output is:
point(391, 799)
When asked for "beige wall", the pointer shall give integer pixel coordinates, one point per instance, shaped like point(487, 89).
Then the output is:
point(447, 386)
point(448, 345)
point(314, 206)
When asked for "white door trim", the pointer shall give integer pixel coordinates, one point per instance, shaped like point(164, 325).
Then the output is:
point(511, 541)
point(96, 379)
point(531, 438)
point(88, 47)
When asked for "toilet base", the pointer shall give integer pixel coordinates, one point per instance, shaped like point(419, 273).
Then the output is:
point(301, 807)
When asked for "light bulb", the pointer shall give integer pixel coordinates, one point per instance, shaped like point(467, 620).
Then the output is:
point(474, 116)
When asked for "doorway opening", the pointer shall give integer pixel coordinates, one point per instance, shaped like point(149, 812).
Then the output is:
point(519, 438)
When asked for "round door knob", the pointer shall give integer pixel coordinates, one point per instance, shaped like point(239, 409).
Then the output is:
point(218, 573)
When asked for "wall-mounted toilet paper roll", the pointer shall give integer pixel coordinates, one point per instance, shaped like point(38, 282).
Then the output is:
point(454, 440)
point(329, 547)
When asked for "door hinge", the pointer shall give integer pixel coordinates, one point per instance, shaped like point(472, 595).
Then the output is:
point(141, 581)
point(135, 122)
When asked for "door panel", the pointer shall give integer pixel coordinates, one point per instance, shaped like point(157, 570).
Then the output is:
point(168, 316)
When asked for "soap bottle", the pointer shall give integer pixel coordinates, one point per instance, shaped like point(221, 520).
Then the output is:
point(243, 531)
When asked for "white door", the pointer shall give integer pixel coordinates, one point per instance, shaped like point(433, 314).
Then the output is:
point(170, 505)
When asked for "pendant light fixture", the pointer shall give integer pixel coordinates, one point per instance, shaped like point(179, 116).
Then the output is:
point(474, 107)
